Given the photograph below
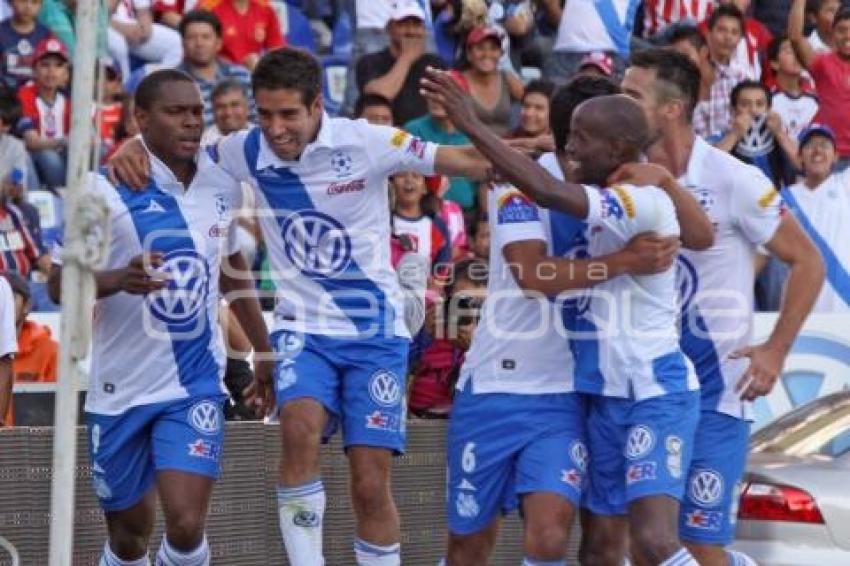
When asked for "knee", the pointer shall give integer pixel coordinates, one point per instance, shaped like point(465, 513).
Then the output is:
point(652, 542)
point(601, 550)
point(130, 541)
point(299, 433)
point(467, 552)
point(547, 541)
point(370, 493)
point(185, 531)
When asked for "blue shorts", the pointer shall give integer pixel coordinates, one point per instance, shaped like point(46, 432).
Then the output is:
point(501, 446)
point(709, 509)
point(361, 383)
point(127, 450)
point(638, 449)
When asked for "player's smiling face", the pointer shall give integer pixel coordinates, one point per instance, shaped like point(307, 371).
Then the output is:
point(590, 154)
point(287, 122)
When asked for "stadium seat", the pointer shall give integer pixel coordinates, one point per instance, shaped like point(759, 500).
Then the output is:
point(335, 75)
point(295, 26)
point(343, 36)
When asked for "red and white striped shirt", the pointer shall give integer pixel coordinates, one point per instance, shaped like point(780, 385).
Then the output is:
point(658, 14)
point(18, 249)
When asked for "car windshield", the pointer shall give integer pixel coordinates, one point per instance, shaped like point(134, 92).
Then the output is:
point(818, 428)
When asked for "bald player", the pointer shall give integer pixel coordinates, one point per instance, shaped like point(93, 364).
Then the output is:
point(641, 391)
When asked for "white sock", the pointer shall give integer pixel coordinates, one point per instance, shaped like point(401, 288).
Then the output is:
point(169, 556)
point(739, 559)
point(369, 554)
point(680, 558)
point(108, 558)
point(533, 562)
point(301, 511)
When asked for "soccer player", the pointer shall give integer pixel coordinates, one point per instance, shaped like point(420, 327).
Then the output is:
point(154, 405)
point(641, 397)
point(339, 328)
point(717, 294)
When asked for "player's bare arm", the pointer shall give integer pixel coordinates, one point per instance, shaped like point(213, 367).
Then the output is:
point(138, 277)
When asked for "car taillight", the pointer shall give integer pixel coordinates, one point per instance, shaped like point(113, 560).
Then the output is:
point(770, 502)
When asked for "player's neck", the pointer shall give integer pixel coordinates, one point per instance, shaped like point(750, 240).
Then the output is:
point(673, 149)
point(22, 26)
point(790, 84)
point(183, 169)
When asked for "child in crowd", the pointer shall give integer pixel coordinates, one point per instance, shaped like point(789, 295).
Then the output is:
point(821, 13)
point(793, 97)
point(375, 109)
point(46, 120)
point(533, 134)
point(19, 36)
point(415, 219)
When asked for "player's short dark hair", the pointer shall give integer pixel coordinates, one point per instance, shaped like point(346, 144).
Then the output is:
point(677, 76)
point(686, 32)
point(568, 97)
point(199, 17)
point(227, 86)
point(748, 85)
point(289, 68)
point(150, 88)
point(776, 45)
point(840, 16)
point(726, 11)
point(368, 100)
point(10, 107)
point(539, 86)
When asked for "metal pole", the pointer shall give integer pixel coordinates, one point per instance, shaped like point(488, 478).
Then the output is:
point(77, 285)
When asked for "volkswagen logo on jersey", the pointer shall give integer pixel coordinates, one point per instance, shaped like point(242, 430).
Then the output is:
point(687, 282)
point(640, 442)
point(185, 295)
point(384, 388)
point(316, 244)
point(205, 417)
point(341, 163)
point(706, 487)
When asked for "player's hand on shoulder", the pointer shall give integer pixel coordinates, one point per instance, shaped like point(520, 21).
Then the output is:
point(130, 165)
point(649, 253)
point(641, 175)
point(140, 276)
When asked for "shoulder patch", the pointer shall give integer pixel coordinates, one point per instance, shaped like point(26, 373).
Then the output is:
point(399, 138)
point(626, 200)
point(514, 207)
point(767, 198)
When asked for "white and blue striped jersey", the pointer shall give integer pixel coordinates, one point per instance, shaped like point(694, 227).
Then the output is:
point(628, 338)
point(520, 345)
point(165, 345)
point(716, 285)
point(326, 223)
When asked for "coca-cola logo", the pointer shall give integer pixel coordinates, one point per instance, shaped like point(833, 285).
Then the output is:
point(342, 188)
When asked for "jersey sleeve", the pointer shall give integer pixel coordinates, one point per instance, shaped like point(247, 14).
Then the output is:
point(755, 206)
point(393, 150)
point(629, 210)
point(8, 335)
point(514, 218)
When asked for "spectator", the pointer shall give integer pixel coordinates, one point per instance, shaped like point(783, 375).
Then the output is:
point(109, 110)
point(8, 348)
point(250, 28)
point(13, 190)
point(596, 63)
point(659, 14)
point(452, 215)
point(19, 249)
point(481, 240)
point(831, 73)
point(725, 28)
point(415, 219)
point(753, 44)
point(58, 16)
point(18, 37)
point(793, 97)
point(586, 26)
point(132, 31)
point(821, 202)
point(453, 23)
point(395, 72)
point(533, 133)
point(46, 121)
point(492, 89)
point(375, 109)
point(822, 13)
point(689, 41)
point(13, 154)
point(170, 12)
point(202, 44)
point(126, 128)
point(757, 135)
point(230, 110)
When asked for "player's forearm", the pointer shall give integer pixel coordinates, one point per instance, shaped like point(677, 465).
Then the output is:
point(108, 282)
point(5, 388)
point(803, 286)
point(697, 231)
point(554, 275)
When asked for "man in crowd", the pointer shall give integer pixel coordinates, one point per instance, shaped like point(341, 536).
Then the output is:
point(230, 110)
point(250, 28)
point(8, 347)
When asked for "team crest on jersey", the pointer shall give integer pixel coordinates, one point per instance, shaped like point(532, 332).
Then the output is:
point(185, 296)
point(578, 452)
point(466, 505)
point(705, 199)
point(514, 207)
point(341, 163)
point(316, 244)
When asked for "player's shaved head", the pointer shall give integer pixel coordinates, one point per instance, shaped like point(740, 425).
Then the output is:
point(606, 132)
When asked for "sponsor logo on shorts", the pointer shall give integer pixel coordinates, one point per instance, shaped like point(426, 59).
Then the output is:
point(571, 477)
point(641, 471)
point(705, 520)
point(673, 444)
point(385, 388)
point(286, 376)
point(465, 484)
point(204, 449)
point(467, 506)
point(205, 417)
point(101, 488)
point(640, 442)
point(382, 421)
point(578, 452)
point(706, 487)
point(306, 518)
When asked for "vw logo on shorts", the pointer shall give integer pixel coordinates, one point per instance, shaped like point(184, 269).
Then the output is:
point(578, 452)
point(640, 442)
point(706, 487)
point(316, 244)
point(384, 388)
point(687, 282)
point(205, 417)
point(185, 295)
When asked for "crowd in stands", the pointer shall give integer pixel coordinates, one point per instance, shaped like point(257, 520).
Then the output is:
point(775, 93)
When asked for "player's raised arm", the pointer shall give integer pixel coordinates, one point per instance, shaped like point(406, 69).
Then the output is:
point(518, 169)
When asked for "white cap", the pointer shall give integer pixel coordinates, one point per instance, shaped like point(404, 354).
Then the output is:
point(407, 9)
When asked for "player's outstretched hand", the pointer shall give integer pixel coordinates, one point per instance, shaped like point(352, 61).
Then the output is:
point(641, 175)
point(765, 367)
point(130, 165)
point(439, 86)
point(140, 277)
point(650, 253)
point(259, 395)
